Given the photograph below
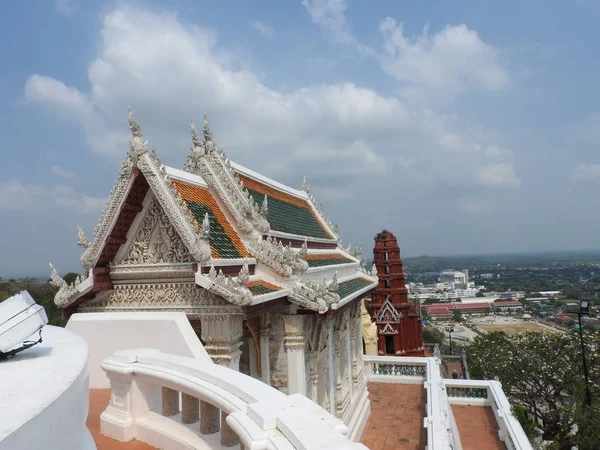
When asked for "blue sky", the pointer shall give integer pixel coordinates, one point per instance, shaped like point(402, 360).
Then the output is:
point(463, 127)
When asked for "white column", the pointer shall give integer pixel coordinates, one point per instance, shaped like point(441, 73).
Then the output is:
point(222, 335)
point(331, 368)
point(294, 348)
point(349, 353)
point(265, 360)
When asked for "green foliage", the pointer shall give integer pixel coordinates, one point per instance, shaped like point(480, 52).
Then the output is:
point(542, 373)
point(530, 427)
point(457, 316)
point(432, 336)
point(42, 293)
point(71, 277)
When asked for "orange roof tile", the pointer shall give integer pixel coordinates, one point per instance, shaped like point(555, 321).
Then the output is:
point(202, 196)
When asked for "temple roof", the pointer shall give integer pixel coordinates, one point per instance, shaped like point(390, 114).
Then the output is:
point(219, 215)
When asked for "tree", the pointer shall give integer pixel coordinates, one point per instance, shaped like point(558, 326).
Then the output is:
point(432, 335)
point(542, 373)
point(457, 316)
point(70, 277)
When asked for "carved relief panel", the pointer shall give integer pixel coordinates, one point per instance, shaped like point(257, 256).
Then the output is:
point(156, 240)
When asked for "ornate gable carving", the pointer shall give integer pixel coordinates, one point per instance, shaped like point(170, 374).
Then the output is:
point(388, 314)
point(388, 329)
point(208, 160)
point(156, 241)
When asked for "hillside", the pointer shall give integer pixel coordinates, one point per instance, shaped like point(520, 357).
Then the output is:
point(42, 292)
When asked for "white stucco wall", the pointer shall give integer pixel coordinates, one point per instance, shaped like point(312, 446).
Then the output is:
point(106, 333)
point(44, 395)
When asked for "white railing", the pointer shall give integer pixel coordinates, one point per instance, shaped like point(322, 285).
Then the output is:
point(442, 433)
point(175, 402)
point(490, 393)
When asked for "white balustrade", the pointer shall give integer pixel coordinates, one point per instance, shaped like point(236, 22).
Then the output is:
point(439, 420)
point(175, 402)
point(490, 393)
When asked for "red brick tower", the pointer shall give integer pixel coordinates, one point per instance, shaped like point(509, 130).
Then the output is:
point(399, 329)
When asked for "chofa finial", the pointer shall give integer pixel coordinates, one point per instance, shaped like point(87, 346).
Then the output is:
point(82, 240)
point(136, 131)
point(205, 232)
point(304, 186)
point(195, 137)
point(264, 207)
point(207, 133)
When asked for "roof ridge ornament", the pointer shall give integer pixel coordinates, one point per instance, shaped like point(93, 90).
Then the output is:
point(319, 208)
point(137, 145)
point(82, 240)
point(205, 232)
point(264, 207)
point(304, 249)
point(195, 136)
point(334, 285)
point(207, 133)
point(66, 292)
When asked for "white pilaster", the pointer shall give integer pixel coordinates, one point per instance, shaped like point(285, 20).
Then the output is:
point(265, 360)
point(331, 369)
point(294, 347)
point(222, 336)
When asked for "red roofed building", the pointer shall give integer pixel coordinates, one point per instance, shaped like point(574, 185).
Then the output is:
point(399, 329)
point(445, 310)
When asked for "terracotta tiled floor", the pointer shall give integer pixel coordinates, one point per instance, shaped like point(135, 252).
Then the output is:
point(396, 420)
point(452, 366)
point(477, 427)
point(99, 399)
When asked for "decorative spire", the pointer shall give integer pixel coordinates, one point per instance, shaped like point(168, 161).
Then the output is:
point(207, 133)
point(244, 275)
point(82, 241)
point(374, 270)
point(136, 131)
point(137, 145)
point(304, 186)
point(264, 208)
point(205, 233)
point(195, 137)
point(333, 286)
point(303, 250)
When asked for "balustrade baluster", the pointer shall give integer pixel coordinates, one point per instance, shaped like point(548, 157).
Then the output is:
point(190, 409)
point(228, 436)
point(209, 418)
point(170, 402)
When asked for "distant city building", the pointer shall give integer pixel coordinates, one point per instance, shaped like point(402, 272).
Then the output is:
point(446, 310)
point(507, 304)
point(454, 276)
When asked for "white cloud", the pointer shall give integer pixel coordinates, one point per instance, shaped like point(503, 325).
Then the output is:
point(337, 133)
point(263, 29)
point(14, 195)
point(329, 15)
point(65, 7)
point(586, 172)
point(498, 174)
point(440, 65)
point(61, 173)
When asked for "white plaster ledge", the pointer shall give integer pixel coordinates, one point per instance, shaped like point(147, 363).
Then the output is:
point(44, 395)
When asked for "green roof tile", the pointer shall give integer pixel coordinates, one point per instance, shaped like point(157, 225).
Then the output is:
point(288, 218)
point(351, 286)
point(218, 238)
point(260, 289)
point(328, 262)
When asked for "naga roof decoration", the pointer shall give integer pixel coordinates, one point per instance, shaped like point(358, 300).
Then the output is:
point(219, 215)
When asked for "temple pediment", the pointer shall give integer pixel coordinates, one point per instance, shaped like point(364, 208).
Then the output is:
point(232, 231)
